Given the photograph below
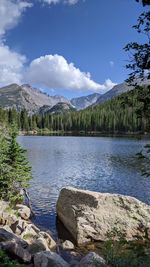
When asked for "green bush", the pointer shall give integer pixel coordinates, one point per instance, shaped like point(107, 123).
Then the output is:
point(5, 261)
point(124, 254)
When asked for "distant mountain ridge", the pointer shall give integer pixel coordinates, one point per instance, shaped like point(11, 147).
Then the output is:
point(35, 101)
point(85, 101)
point(28, 98)
point(118, 90)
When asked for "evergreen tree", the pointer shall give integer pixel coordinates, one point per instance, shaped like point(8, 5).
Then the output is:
point(5, 168)
point(15, 171)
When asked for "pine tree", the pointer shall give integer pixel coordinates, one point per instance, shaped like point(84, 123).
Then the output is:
point(5, 168)
point(15, 171)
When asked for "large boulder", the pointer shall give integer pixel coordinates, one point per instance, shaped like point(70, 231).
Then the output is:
point(95, 216)
point(49, 259)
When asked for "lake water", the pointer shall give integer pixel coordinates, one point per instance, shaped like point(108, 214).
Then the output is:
point(103, 164)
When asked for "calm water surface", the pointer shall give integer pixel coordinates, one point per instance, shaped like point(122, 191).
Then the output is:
point(102, 164)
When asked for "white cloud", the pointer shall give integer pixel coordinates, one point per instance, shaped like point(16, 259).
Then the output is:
point(10, 13)
point(11, 62)
point(11, 66)
point(53, 71)
point(69, 2)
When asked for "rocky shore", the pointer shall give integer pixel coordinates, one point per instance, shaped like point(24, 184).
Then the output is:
point(88, 216)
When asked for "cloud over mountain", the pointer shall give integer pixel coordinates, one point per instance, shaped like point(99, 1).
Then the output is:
point(53, 71)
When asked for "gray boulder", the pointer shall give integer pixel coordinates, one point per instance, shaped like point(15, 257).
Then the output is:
point(8, 236)
point(14, 245)
point(92, 260)
point(92, 216)
point(16, 249)
point(38, 245)
point(49, 259)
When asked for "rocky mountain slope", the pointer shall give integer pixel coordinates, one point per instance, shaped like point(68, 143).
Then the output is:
point(118, 90)
point(85, 101)
point(60, 107)
point(35, 101)
point(26, 97)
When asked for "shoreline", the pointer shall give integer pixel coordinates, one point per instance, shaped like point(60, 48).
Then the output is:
point(83, 134)
point(28, 244)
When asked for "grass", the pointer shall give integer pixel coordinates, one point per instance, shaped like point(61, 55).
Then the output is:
point(123, 254)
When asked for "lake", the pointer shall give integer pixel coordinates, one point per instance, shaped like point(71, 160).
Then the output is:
point(104, 164)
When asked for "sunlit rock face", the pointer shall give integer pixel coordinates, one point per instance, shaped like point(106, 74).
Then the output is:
point(91, 216)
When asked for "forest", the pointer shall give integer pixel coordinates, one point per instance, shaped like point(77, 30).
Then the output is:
point(127, 113)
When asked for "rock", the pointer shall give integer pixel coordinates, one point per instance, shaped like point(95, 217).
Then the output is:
point(92, 216)
point(23, 211)
point(68, 245)
point(19, 226)
point(38, 245)
point(7, 228)
point(50, 241)
point(7, 214)
point(30, 232)
point(14, 245)
point(49, 259)
point(15, 249)
point(8, 236)
point(92, 260)
point(74, 263)
point(6, 218)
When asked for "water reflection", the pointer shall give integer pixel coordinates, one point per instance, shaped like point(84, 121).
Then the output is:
point(96, 163)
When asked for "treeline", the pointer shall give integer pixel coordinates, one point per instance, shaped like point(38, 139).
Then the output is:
point(129, 112)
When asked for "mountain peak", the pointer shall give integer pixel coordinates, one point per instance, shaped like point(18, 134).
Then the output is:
point(85, 101)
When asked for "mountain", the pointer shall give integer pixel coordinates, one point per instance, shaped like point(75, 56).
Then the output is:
point(84, 101)
point(115, 91)
point(118, 90)
point(26, 97)
point(60, 107)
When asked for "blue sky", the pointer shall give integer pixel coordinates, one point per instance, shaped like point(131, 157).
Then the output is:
point(90, 34)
